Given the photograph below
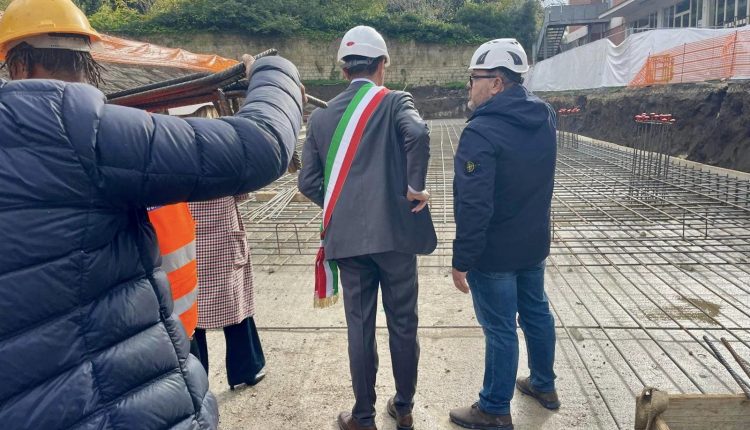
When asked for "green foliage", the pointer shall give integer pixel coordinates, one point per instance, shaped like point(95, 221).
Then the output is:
point(119, 17)
point(510, 18)
point(439, 21)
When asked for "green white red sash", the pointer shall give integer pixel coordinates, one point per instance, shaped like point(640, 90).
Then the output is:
point(341, 154)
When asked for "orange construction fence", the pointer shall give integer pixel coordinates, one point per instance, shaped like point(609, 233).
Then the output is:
point(724, 57)
point(123, 51)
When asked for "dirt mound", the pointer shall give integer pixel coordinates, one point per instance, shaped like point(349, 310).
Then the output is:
point(713, 118)
point(712, 125)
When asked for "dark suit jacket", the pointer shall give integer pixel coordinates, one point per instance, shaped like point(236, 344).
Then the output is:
point(372, 214)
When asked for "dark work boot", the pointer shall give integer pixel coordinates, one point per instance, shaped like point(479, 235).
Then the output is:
point(403, 422)
point(347, 422)
point(548, 400)
point(474, 418)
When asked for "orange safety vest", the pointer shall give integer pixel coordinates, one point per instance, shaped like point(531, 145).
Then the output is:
point(175, 230)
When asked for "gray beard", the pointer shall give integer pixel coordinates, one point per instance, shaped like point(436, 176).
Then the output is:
point(470, 106)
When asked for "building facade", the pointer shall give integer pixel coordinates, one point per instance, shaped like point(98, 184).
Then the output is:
point(626, 17)
point(639, 15)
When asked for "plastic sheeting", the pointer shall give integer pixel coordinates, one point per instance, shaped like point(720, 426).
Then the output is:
point(603, 64)
point(123, 51)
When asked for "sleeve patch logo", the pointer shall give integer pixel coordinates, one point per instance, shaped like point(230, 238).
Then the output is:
point(470, 167)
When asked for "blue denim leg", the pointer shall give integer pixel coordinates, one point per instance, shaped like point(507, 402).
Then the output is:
point(494, 296)
point(538, 327)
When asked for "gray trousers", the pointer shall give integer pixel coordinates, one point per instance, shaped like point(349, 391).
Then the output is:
point(396, 273)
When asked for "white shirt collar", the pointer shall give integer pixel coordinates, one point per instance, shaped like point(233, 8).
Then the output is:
point(363, 80)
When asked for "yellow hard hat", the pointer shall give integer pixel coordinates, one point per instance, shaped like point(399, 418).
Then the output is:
point(27, 18)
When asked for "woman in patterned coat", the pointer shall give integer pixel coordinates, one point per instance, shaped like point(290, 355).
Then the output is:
point(225, 288)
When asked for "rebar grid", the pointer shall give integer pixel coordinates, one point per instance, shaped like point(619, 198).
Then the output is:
point(641, 266)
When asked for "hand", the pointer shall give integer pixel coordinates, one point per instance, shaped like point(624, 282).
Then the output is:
point(423, 197)
point(459, 280)
point(304, 95)
point(295, 164)
point(248, 60)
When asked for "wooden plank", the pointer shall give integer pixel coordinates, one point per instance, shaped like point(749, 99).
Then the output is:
point(707, 412)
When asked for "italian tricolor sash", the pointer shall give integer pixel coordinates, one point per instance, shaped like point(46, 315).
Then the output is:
point(341, 154)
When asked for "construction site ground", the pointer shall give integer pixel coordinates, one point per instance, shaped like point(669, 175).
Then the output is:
point(641, 268)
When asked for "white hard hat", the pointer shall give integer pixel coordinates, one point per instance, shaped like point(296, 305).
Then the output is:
point(496, 53)
point(363, 41)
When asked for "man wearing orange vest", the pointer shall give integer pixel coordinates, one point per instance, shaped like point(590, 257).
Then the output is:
point(175, 231)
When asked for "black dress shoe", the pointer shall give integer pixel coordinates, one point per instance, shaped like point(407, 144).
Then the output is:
point(258, 377)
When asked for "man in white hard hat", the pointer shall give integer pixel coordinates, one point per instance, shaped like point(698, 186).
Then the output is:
point(365, 162)
point(504, 176)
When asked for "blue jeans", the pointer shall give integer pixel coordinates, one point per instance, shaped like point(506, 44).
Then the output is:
point(497, 298)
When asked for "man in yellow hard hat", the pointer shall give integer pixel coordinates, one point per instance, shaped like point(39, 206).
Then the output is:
point(53, 42)
point(88, 333)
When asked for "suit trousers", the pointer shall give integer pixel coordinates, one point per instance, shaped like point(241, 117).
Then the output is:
point(396, 273)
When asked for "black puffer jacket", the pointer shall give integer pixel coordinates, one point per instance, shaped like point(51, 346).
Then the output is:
point(88, 339)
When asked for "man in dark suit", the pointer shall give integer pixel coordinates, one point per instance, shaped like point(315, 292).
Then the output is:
point(380, 221)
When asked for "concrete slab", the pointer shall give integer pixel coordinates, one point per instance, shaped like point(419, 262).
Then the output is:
point(640, 270)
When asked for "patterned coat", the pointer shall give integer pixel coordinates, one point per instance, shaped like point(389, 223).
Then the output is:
point(225, 273)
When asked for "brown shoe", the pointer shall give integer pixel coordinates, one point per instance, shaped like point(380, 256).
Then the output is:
point(548, 400)
point(347, 422)
point(475, 418)
point(403, 422)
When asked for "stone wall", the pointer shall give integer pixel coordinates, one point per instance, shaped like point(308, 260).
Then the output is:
point(412, 63)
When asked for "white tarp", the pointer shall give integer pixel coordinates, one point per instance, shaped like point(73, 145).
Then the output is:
point(604, 64)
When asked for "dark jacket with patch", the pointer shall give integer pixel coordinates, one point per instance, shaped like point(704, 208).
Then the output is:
point(504, 176)
point(88, 337)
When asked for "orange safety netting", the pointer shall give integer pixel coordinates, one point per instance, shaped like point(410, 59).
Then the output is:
point(123, 51)
point(717, 58)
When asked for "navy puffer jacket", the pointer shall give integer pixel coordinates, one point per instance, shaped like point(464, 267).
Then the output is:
point(88, 339)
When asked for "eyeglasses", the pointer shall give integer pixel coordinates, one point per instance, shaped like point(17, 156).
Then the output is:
point(472, 77)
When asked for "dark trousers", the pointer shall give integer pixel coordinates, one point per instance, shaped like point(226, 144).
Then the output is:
point(244, 353)
point(396, 273)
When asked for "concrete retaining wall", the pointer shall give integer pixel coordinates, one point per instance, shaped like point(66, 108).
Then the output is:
point(412, 63)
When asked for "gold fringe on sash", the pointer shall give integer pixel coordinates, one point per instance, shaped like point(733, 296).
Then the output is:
point(326, 302)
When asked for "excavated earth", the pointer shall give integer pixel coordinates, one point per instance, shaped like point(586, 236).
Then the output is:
point(712, 123)
point(712, 126)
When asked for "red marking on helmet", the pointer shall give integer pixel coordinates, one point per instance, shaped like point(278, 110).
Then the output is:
point(349, 43)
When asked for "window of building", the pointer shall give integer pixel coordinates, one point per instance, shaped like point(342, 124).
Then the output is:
point(742, 11)
point(669, 17)
point(696, 13)
point(730, 13)
point(686, 13)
